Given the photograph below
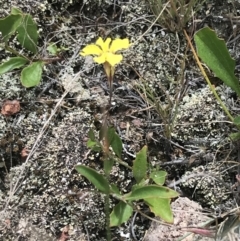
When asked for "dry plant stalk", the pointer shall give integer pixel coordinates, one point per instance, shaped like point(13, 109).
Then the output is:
point(176, 14)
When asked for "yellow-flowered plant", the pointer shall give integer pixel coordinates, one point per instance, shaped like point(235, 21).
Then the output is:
point(105, 53)
point(109, 144)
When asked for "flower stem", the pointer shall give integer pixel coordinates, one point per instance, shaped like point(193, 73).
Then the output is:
point(107, 213)
point(109, 70)
point(13, 51)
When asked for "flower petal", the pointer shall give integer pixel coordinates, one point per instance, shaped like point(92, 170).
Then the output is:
point(101, 59)
point(119, 44)
point(113, 59)
point(100, 42)
point(104, 45)
point(91, 49)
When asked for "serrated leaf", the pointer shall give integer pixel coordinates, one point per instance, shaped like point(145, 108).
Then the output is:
point(116, 145)
point(120, 214)
point(12, 63)
point(214, 53)
point(9, 25)
point(150, 191)
point(160, 207)
point(140, 165)
point(98, 180)
point(32, 74)
point(158, 177)
point(27, 33)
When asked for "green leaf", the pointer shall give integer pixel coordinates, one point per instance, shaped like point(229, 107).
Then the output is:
point(107, 165)
point(110, 135)
point(98, 180)
point(236, 120)
point(91, 135)
point(116, 145)
point(12, 63)
point(111, 139)
point(27, 33)
point(143, 182)
point(160, 207)
point(120, 214)
point(115, 189)
point(16, 11)
point(62, 48)
point(94, 145)
point(91, 143)
point(140, 165)
point(150, 191)
point(215, 55)
point(53, 49)
point(32, 74)
point(235, 136)
point(158, 177)
point(9, 25)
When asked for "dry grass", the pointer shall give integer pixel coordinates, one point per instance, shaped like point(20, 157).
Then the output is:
point(177, 13)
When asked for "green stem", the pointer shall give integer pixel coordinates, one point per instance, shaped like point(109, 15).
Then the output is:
point(13, 51)
point(107, 213)
point(122, 162)
point(219, 100)
point(107, 175)
point(107, 199)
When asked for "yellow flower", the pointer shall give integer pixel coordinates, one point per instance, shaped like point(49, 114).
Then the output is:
point(106, 52)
